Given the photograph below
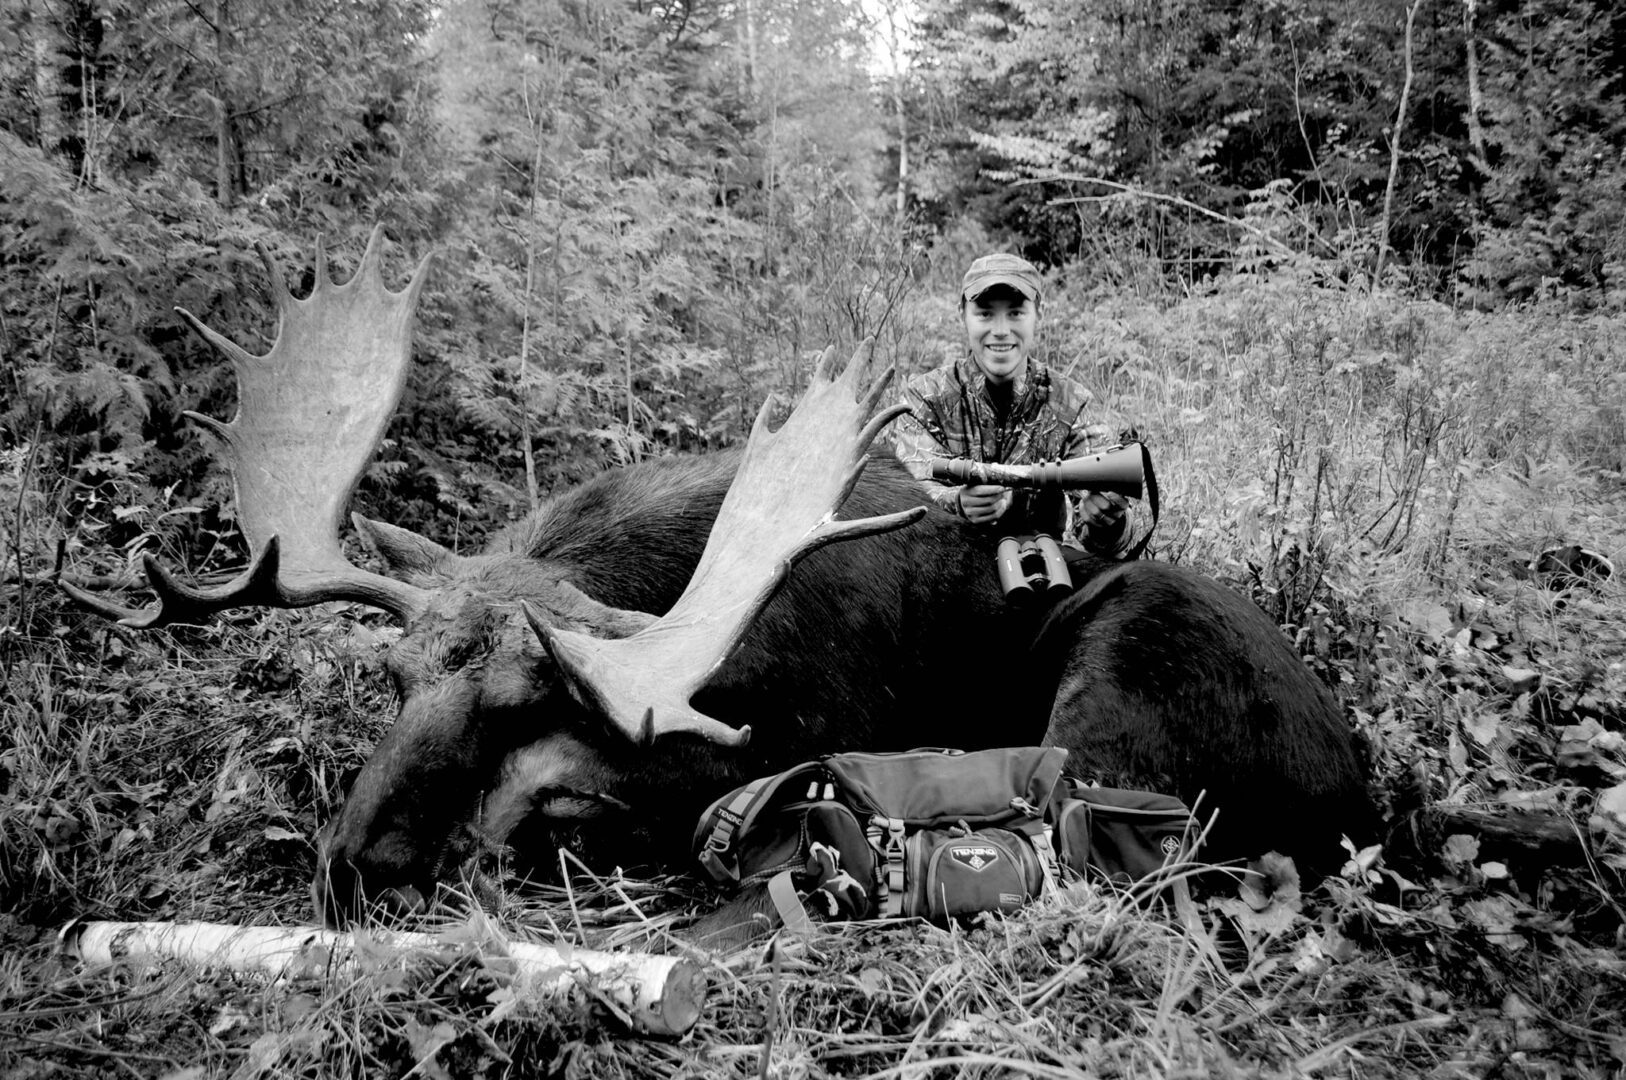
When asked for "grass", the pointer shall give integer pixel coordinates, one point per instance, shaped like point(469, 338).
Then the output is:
point(1377, 473)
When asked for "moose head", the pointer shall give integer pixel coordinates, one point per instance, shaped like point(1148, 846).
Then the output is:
point(566, 672)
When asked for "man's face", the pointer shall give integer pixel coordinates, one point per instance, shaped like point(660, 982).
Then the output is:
point(999, 327)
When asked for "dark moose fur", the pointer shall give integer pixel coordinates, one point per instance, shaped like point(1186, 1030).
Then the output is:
point(1152, 674)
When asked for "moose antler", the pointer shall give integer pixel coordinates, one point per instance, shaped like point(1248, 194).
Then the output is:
point(780, 508)
point(310, 414)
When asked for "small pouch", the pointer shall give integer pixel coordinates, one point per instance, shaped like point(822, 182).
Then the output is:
point(1121, 835)
point(957, 872)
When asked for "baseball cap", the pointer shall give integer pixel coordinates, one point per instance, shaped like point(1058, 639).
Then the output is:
point(1000, 269)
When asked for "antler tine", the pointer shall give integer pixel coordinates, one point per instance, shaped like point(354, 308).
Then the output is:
point(881, 419)
point(841, 531)
point(279, 281)
point(179, 602)
point(222, 344)
point(310, 414)
point(780, 508)
point(826, 363)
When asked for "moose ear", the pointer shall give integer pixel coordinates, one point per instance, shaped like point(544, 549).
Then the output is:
point(410, 557)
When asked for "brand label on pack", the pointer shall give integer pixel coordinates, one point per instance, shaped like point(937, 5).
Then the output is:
point(978, 857)
point(1170, 845)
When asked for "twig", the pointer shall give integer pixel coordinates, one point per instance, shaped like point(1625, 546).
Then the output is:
point(771, 1019)
point(1155, 196)
point(1323, 1057)
point(17, 531)
point(105, 1001)
point(92, 1051)
point(90, 583)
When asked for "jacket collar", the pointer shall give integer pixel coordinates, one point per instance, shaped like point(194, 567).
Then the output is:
point(1032, 376)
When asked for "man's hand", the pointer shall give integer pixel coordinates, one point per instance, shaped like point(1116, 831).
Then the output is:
point(983, 504)
point(1101, 509)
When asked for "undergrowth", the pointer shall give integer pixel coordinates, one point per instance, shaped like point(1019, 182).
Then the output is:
point(1382, 476)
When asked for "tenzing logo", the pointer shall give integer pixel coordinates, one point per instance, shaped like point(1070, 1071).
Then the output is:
point(978, 857)
point(1170, 845)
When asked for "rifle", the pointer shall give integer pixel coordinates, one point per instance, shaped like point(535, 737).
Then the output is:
point(1033, 564)
point(1120, 470)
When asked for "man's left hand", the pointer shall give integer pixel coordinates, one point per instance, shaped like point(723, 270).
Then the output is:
point(1100, 509)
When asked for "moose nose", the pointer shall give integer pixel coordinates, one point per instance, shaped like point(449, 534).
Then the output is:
point(382, 877)
point(340, 897)
point(336, 895)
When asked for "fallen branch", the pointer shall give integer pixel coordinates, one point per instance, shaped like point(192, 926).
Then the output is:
point(1542, 839)
point(657, 995)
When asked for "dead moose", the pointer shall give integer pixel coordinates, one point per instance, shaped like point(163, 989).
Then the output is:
point(665, 631)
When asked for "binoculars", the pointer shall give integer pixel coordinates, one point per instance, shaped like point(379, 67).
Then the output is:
point(1032, 566)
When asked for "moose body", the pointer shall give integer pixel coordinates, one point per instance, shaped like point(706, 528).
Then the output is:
point(1153, 675)
point(641, 643)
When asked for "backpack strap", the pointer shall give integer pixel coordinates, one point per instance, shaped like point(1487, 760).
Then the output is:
point(782, 891)
point(1150, 477)
point(735, 812)
point(1038, 832)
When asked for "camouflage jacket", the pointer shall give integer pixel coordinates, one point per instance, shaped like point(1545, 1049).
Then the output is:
point(953, 416)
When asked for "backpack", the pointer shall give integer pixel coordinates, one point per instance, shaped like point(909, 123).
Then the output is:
point(935, 834)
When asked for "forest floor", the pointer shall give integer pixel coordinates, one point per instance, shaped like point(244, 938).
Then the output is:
point(1383, 480)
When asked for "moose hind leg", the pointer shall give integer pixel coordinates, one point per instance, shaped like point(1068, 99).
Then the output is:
point(1168, 681)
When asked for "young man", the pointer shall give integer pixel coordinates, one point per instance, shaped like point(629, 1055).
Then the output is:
point(1000, 404)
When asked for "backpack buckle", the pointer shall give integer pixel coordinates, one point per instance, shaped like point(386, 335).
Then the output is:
point(894, 855)
point(717, 846)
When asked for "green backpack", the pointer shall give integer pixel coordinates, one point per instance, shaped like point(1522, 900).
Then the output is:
point(934, 834)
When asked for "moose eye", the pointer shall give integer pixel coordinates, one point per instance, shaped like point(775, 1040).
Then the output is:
point(396, 667)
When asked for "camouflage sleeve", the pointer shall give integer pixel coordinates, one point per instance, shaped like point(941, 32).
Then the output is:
point(916, 439)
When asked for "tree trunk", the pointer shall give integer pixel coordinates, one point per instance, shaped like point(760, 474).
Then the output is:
point(223, 133)
point(523, 380)
point(903, 146)
point(1394, 143)
point(1476, 98)
point(746, 31)
point(47, 88)
point(894, 42)
point(78, 65)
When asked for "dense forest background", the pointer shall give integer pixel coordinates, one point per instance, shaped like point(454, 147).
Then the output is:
point(646, 215)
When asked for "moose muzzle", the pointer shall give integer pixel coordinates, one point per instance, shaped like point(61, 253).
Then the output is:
point(387, 846)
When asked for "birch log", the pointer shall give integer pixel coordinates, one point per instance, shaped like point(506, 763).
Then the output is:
point(660, 995)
